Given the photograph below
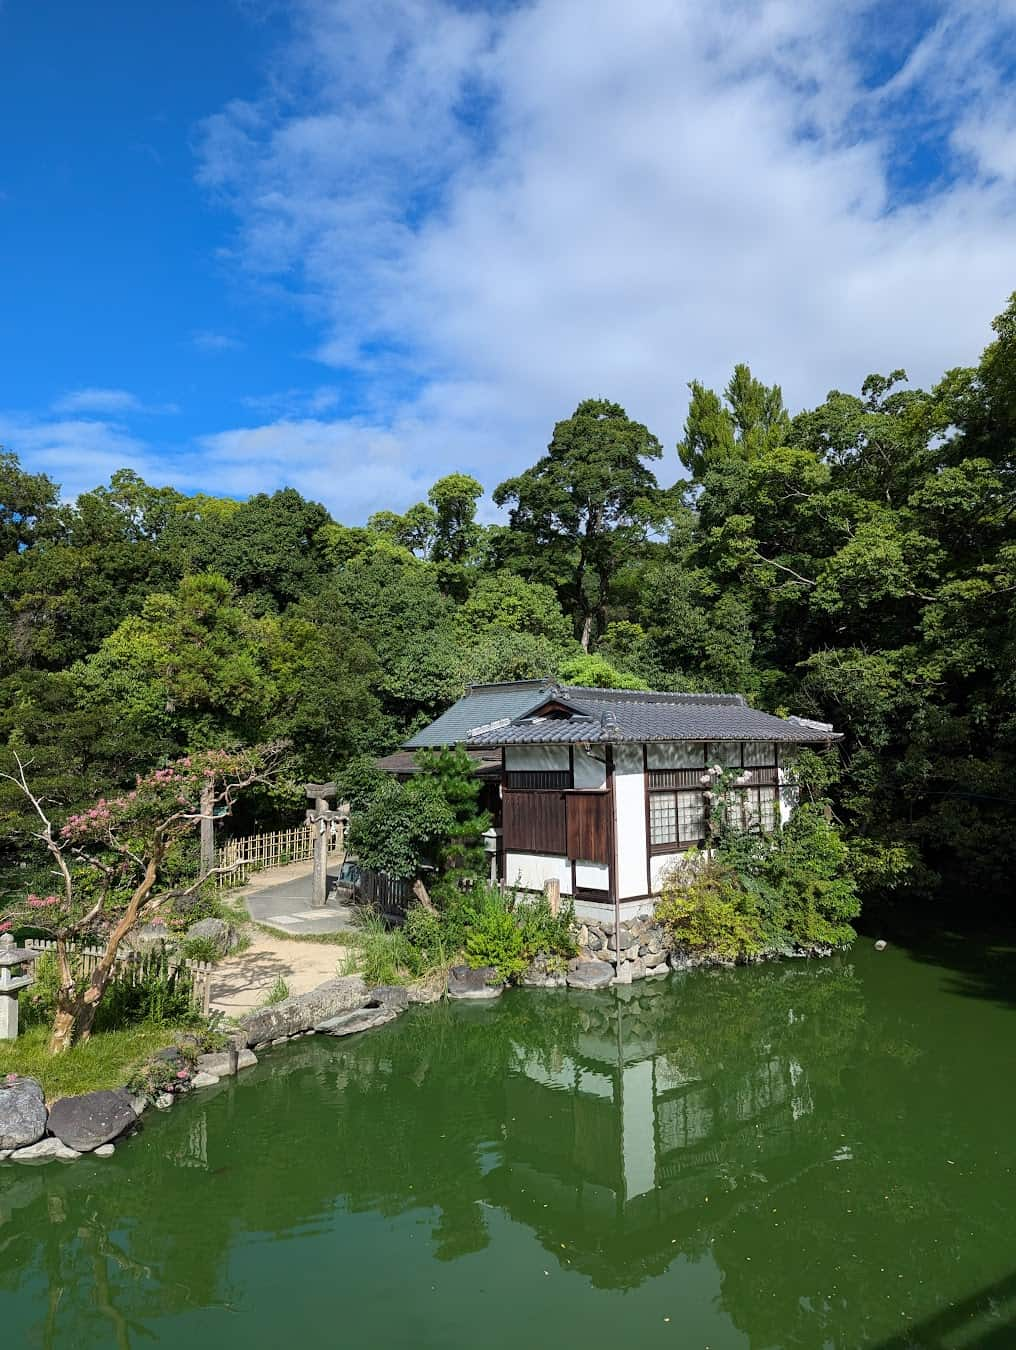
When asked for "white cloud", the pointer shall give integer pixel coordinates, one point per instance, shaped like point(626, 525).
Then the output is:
point(114, 401)
point(491, 214)
point(651, 193)
point(80, 453)
point(97, 400)
point(215, 343)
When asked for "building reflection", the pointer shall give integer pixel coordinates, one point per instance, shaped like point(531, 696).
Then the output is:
point(636, 1142)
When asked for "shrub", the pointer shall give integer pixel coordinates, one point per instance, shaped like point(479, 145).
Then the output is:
point(153, 991)
point(799, 878)
point(543, 931)
point(200, 949)
point(38, 1002)
point(495, 939)
point(382, 955)
point(278, 993)
point(426, 930)
point(704, 906)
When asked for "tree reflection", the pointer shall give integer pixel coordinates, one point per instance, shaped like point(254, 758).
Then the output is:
point(764, 1122)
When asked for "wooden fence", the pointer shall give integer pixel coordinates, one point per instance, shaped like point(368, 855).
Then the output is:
point(133, 966)
point(241, 857)
point(387, 894)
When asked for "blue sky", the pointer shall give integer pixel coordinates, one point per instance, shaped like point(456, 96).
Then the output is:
point(352, 244)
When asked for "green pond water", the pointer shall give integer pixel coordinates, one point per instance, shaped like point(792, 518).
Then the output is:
point(814, 1155)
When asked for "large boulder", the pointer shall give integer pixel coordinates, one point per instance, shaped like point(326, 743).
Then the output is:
point(22, 1113)
point(537, 975)
point(94, 1119)
point(590, 974)
point(465, 982)
point(394, 996)
point(221, 1063)
point(360, 1019)
point(222, 935)
point(303, 1012)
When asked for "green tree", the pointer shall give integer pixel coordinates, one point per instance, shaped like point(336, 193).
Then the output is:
point(27, 502)
point(453, 773)
point(584, 506)
point(453, 500)
point(751, 421)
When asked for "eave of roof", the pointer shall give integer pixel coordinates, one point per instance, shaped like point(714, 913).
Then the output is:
point(502, 715)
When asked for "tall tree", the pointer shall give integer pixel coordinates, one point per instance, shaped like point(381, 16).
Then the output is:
point(586, 504)
point(453, 500)
point(751, 421)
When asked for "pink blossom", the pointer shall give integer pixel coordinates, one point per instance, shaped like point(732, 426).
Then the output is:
point(11, 1078)
point(182, 1073)
point(6, 926)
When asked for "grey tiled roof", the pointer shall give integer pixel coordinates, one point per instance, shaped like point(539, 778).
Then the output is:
point(481, 705)
point(495, 715)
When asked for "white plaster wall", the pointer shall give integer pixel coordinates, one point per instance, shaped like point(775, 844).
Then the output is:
point(638, 1138)
point(658, 864)
point(591, 769)
point(676, 755)
point(630, 809)
point(536, 757)
point(531, 870)
point(788, 795)
point(592, 876)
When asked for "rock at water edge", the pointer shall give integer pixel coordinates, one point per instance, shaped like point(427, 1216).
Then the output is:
point(22, 1113)
point(590, 974)
point(46, 1150)
point(304, 1011)
point(360, 1019)
point(482, 983)
point(104, 1151)
point(95, 1118)
point(394, 996)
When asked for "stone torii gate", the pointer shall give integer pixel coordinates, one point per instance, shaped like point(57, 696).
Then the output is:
point(320, 816)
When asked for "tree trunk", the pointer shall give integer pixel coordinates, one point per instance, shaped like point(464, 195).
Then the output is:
point(61, 1035)
point(76, 1012)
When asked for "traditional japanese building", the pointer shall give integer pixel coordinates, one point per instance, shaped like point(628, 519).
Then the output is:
point(601, 789)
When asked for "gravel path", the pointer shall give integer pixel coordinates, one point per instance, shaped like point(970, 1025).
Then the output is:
point(241, 982)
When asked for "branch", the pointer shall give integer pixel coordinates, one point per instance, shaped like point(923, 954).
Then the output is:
point(46, 833)
point(770, 562)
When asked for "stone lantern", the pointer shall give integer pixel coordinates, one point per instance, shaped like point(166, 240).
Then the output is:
point(15, 974)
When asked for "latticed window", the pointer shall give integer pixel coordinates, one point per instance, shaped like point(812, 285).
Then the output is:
point(663, 818)
point(691, 816)
point(755, 808)
point(676, 817)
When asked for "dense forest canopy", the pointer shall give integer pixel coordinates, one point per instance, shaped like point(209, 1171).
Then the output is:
point(854, 562)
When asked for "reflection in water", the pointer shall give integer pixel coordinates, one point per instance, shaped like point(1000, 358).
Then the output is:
point(794, 1156)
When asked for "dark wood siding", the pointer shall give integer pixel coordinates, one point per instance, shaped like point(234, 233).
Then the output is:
point(559, 779)
point(589, 826)
point(535, 822)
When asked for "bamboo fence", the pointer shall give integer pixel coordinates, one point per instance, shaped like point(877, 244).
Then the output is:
point(134, 966)
point(238, 858)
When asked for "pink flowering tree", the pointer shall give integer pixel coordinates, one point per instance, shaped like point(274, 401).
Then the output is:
point(109, 861)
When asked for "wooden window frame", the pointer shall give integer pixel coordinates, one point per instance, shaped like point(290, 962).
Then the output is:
point(675, 781)
point(677, 845)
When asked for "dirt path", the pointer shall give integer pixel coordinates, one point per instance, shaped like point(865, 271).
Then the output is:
point(241, 982)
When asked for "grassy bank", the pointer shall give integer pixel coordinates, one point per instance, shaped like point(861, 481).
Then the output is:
point(105, 1061)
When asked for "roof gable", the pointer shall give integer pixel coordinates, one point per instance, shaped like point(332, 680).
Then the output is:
point(533, 712)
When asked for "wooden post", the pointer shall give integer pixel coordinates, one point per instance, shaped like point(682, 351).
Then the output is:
point(319, 792)
point(552, 891)
point(207, 826)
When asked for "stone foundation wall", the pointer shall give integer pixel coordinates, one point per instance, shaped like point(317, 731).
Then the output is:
point(639, 946)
